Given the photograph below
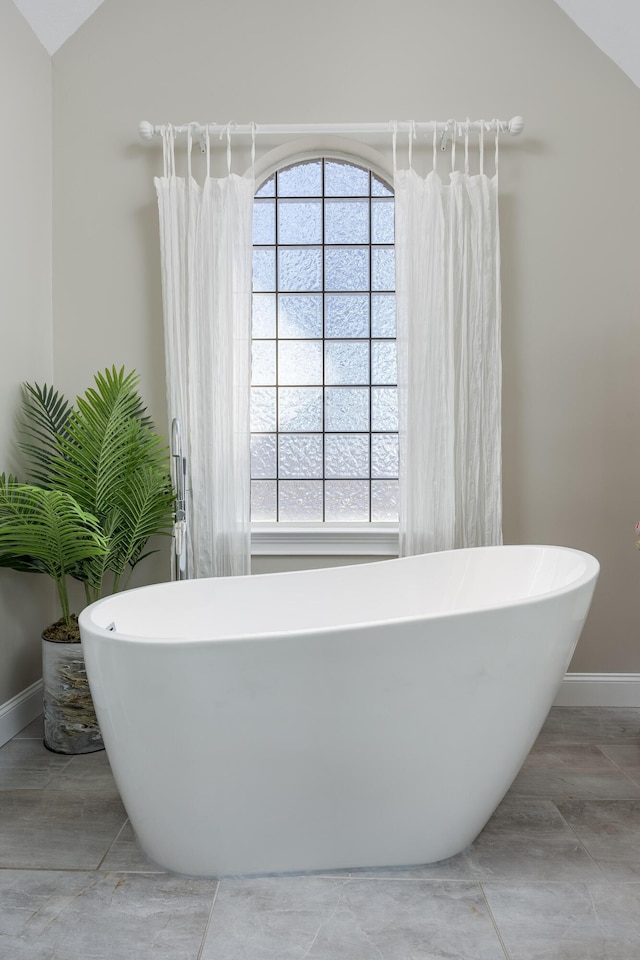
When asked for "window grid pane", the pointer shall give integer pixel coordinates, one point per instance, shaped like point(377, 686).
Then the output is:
point(324, 438)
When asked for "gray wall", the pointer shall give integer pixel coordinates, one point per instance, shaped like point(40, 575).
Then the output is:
point(569, 209)
point(25, 297)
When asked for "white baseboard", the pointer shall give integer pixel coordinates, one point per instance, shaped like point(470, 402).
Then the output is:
point(18, 712)
point(599, 690)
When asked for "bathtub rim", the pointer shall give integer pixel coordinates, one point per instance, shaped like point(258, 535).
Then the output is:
point(589, 574)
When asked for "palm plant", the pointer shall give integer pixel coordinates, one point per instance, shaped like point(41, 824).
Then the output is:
point(105, 454)
point(45, 531)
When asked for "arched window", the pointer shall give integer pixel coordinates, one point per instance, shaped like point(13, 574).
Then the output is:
point(324, 443)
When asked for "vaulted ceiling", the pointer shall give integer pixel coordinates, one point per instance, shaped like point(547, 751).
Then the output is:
point(613, 25)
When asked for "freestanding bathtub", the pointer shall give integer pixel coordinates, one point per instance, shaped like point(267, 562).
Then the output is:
point(348, 717)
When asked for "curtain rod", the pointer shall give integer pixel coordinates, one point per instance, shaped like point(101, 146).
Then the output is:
point(514, 126)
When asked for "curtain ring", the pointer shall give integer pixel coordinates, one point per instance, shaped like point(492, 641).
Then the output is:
point(394, 143)
point(227, 129)
point(253, 148)
point(435, 141)
point(172, 150)
point(466, 146)
point(189, 149)
point(412, 137)
point(163, 134)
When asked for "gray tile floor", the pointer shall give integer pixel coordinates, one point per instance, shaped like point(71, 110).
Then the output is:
point(555, 875)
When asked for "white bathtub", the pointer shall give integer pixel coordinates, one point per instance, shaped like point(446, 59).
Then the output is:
point(348, 717)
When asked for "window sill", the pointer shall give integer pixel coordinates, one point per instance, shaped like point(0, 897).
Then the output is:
point(324, 539)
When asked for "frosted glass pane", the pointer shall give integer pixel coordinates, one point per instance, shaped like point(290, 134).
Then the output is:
point(264, 221)
point(264, 268)
point(346, 408)
point(263, 500)
point(384, 500)
point(263, 409)
point(346, 500)
point(383, 268)
point(345, 180)
point(346, 221)
point(346, 362)
point(299, 362)
point(346, 455)
point(384, 408)
point(300, 268)
point(346, 268)
point(300, 408)
point(346, 315)
point(299, 221)
point(264, 315)
point(300, 500)
point(263, 455)
point(379, 188)
point(384, 455)
point(300, 455)
point(383, 314)
point(268, 188)
point(263, 362)
point(382, 221)
point(384, 361)
point(301, 180)
point(300, 315)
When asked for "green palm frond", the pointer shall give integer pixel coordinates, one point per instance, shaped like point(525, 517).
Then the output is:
point(46, 531)
point(91, 572)
point(46, 525)
point(146, 510)
point(106, 455)
point(106, 437)
point(45, 416)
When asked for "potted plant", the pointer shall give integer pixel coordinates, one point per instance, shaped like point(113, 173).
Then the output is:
point(104, 461)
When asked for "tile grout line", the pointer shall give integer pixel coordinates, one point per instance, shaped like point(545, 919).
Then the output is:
point(207, 925)
point(494, 922)
point(635, 783)
point(583, 846)
point(256, 877)
point(573, 797)
point(108, 850)
point(139, 873)
point(615, 742)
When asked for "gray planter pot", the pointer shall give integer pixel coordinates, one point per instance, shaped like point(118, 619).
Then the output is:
point(70, 723)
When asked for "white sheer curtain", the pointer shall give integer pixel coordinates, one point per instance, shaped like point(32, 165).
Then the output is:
point(449, 364)
point(206, 253)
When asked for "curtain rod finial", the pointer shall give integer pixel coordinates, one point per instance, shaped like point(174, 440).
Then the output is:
point(145, 129)
point(516, 126)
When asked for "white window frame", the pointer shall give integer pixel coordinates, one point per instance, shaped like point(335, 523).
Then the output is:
point(323, 539)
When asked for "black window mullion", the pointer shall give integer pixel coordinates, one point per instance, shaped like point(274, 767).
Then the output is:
point(324, 478)
point(370, 346)
point(277, 225)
